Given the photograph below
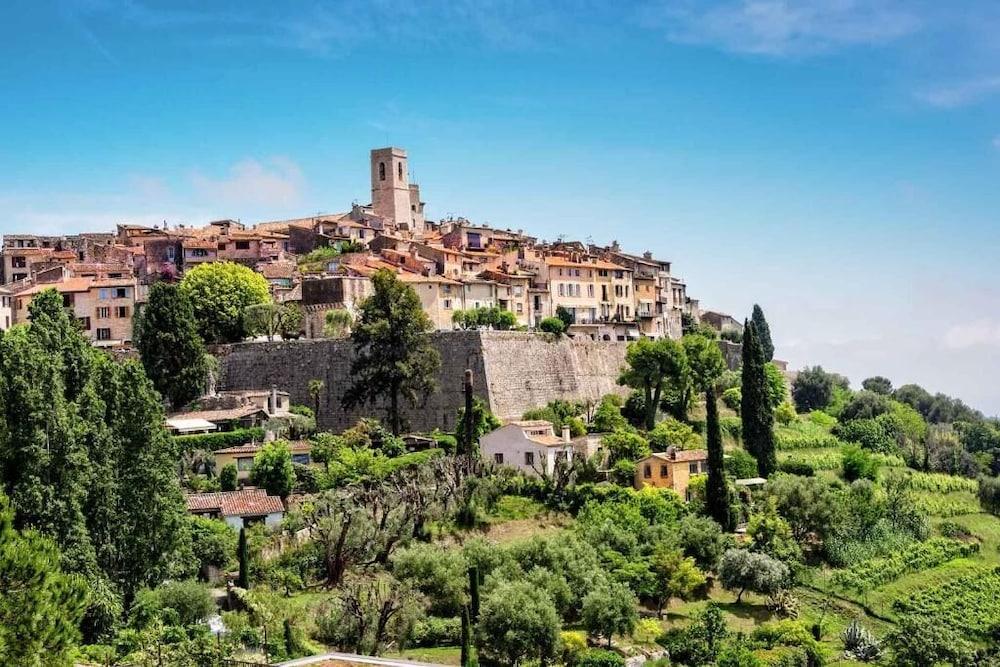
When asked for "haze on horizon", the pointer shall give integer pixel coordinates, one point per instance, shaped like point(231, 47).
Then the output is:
point(836, 162)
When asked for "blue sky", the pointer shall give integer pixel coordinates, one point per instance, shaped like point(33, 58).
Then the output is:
point(837, 161)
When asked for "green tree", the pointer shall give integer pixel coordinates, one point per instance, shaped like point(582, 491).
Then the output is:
point(566, 315)
point(742, 570)
point(483, 420)
point(878, 385)
point(650, 366)
point(169, 346)
point(674, 576)
point(212, 542)
point(755, 410)
point(919, 641)
point(228, 477)
point(315, 391)
point(41, 607)
point(610, 609)
point(625, 446)
point(518, 623)
point(707, 366)
point(763, 332)
point(243, 556)
point(777, 390)
point(857, 463)
point(552, 325)
point(394, 358)
point(812, 389)
point(272, 469)
point(220, 292)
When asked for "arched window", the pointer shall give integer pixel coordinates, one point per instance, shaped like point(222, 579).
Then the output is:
point(400, 165)
point(381, 171)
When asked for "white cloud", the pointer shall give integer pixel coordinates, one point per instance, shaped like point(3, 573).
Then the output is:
point(960, 94)
point(277, 181)
point(973, 334)
point(783, 27)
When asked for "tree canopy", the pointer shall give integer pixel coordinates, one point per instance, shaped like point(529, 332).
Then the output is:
point(170, 346)
point(650, 365)
point(394, 358)
point(763, 331)
point(220, 293)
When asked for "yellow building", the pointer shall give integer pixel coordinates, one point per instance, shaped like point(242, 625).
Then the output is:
point(242, 457)
point(671, 469)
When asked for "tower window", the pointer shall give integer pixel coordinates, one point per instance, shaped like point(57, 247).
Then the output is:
point(381, 171)
point(399, 166)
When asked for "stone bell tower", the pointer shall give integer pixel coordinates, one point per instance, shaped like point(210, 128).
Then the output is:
point(391, 190)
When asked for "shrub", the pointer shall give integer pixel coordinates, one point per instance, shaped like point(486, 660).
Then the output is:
point(954, 530)
point(647, 631)
point(796, 467)
point(221, 440)
point(596, 657)
point(189, 601)
point(989, 494)
point(552, 325)
point(868, 433)
point(228, 477)
point(822, 419)
point(436, 631)
point(858, 464)
point(732, 398)
point(785, 413)
point(732, 427)
point(741, 464)
point(865, 405)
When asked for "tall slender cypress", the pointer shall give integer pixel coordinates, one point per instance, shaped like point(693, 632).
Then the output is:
point(716, 492)
point(244, 579)
point(755, 409)
point(763, 332)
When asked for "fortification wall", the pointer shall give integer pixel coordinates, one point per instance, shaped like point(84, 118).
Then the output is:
point(513, 371)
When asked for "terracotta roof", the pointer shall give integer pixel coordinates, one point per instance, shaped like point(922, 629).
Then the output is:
point(277, 269)
point(248, 502)
point(531, 423)
point(28, 251)
point(68, 285)
point(220, 415)
point(682, 455)
point(548, 440)
point(297, 446)
point(199, 243)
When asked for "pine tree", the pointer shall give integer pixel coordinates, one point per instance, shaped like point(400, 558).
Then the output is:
point(243, 581)
point(169, 345)
point(755, 409)
point(763, 332)
point(716, 490)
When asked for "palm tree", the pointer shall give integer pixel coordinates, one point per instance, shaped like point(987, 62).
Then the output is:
point(315, 389)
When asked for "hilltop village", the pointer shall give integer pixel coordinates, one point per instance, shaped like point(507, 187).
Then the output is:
point(325, 262)
point(318, 440)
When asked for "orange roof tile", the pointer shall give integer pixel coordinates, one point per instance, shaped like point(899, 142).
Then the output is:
point(248, 502)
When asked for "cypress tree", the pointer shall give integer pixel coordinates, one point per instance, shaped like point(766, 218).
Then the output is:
point(474, 595)
point(464, 659)
point(716, 492)
point(244, 579)
point(756, 412)
point(763, 332)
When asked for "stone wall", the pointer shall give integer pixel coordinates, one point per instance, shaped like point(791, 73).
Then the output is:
point(513, 372)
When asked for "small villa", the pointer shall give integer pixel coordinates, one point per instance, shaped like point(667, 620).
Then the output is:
point(238, 508)
point(530, 446)
point(671, 469)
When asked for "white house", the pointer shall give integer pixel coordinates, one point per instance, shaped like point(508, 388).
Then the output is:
point(238, 508)
point(530, 446)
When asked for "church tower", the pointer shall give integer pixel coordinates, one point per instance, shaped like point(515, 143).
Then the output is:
point(391, 198)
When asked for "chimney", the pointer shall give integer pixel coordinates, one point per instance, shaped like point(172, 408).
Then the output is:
point(647, 255)
point(565, 434)
point(272, 400)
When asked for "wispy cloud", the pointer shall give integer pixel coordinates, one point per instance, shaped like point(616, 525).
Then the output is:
point(277, 181)
point(960, 94)
point(973, 334)
point(782, 27)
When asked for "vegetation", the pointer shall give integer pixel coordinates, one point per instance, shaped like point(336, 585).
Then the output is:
point(273, 319)
point(756, 409)
point(484, 317)
point(170, 347)
point(394, 357)
point(220, 293)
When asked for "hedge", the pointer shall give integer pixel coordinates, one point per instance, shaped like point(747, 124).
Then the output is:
point(220, 440)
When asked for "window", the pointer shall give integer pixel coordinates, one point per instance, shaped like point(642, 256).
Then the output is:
point(399, 168)
point(19, 276)
point(18, 262)
point(102, 334)
point(498, 458)
point(529, 458)
point(222, 246)
point(244, 464)
point(693, 468)
point(647, 472)
point(242, 245)
point(381, 171)
point(301, 458)
point(447, 304)
point(664, 471)
point(590, 291)
point(519, 307)
point(121, 311)
point(84, 323)
point(103, 313)
point(199, 252)
point(121, 292)
point(562, 290)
